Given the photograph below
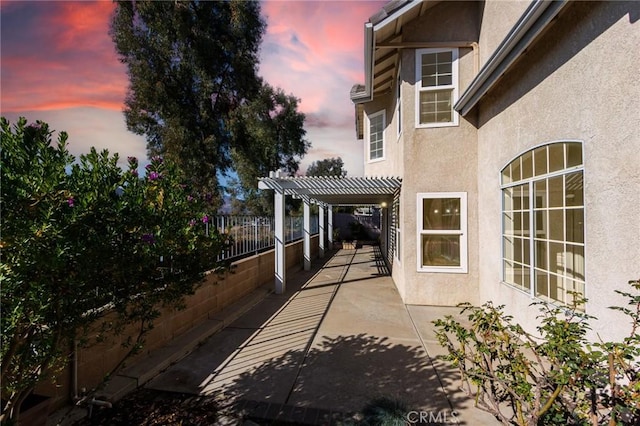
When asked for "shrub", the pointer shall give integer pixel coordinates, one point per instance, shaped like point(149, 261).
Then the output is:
point(557, 378)
point(80, 239)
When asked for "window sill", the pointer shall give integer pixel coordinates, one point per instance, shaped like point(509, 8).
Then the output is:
point(444, 270)
point(437, 125)
point(377, 160)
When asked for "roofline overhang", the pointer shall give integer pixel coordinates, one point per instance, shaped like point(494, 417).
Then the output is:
point(531, 24)
point(369, 47)
point(376, 23)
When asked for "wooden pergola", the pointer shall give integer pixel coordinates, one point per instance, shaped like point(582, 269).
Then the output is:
point(326, 192)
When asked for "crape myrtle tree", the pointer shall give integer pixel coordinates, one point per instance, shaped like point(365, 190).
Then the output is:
point(191, 66)
point(82, 240)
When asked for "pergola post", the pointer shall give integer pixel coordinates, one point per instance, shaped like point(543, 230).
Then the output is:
point(321, 236)
point(306, 230)
point(280, 266)
point(330, 225)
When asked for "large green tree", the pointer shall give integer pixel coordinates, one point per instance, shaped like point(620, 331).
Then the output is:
point(191, 64)
point(269, 136)
point(327, 167)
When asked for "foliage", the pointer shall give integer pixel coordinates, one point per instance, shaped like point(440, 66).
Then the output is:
point(385, 411)
point(358, 231)
point(195, 94)
point(83, 239)
point(557, 378)
point(327, 167)
point(190, 64)
point(269, 134)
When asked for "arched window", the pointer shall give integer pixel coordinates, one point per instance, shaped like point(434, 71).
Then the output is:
point(543, 222)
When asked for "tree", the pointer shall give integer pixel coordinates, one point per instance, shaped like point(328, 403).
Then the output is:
point(190, 65)
point(269, 133)
point(82, 240)
point(327, 167)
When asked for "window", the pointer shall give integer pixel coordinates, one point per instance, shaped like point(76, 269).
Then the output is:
point(442, 232)
point(437, 87)
point(543, 222)
point(396, 226)
point(376, 136)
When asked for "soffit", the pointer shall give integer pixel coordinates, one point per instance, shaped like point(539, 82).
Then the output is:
point(387, 28)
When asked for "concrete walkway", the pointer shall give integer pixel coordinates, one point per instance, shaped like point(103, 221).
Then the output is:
point(326, 348)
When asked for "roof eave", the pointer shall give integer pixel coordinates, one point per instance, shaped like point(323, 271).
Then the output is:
point(523, 34)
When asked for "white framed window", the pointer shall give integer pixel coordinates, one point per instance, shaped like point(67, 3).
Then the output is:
point(375, 136)
point(399, 104)
point(543, 222)
point(436, 87)
point(442, 232)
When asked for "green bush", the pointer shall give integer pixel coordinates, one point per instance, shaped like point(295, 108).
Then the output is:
point(82, 239)
point(556, 378)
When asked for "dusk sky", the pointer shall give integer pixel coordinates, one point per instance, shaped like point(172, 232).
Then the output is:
point(58, 64)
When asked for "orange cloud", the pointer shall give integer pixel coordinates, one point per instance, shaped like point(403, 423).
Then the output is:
point(60, 56)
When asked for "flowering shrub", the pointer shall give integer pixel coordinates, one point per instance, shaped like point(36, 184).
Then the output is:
point(80, 239)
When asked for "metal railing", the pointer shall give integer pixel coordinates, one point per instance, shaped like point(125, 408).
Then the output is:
point(254, 234)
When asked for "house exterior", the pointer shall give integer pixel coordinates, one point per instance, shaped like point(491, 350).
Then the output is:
point(515, 128)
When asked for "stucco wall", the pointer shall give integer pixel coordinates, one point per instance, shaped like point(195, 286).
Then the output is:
point(498, 17)
point(432, 159)
point(439, 160)
point(578, 82)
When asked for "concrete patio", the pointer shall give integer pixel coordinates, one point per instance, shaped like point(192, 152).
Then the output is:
point(339, 337)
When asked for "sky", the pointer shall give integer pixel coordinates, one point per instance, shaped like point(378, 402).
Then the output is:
point(58, 64)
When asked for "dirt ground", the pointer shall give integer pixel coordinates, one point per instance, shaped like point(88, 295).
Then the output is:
point(146, 407)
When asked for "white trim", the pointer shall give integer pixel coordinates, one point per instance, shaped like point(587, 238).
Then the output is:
point(453, 86)
point(528, 183)
point(398, 111)
point(368, 135)
point(464, 261)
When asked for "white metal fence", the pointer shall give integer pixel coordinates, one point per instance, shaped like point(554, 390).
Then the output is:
point(253, 234)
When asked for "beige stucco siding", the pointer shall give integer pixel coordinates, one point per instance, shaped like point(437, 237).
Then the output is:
point(498, 17)
point(438, 160)
point(579, 82)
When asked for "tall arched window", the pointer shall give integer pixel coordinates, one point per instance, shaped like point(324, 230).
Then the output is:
point(543, 222)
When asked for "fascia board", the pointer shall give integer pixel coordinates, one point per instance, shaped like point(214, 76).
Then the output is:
point(532, 22)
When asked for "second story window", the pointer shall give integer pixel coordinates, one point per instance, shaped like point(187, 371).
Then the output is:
point(376, 136)
point(437, 87)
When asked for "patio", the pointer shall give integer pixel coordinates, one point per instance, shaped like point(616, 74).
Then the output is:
point(338, 337)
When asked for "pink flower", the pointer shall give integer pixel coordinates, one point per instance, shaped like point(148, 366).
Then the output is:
point(154, 176)
point(205, 219)
point(148, 238)
point(70, 201)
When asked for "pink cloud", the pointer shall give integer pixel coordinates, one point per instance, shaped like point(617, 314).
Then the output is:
point(315, 50)
point(62, 56)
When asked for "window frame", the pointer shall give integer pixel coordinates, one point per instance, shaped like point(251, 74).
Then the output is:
point(399, 103)
point(530, 238)
point(462, 232)
point(382, 113)
point(454, 86)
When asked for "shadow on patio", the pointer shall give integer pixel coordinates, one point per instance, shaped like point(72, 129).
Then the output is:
point(339, 340)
